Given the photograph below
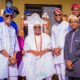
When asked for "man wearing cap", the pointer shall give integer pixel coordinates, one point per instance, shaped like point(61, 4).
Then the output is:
point(37, 59)
point(12, 23)
point(76, 10)
point(59, 30)
point(72, 50)
point(46, 24)
point(8, 47)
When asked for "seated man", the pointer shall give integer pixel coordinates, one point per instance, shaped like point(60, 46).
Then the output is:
point(37, 59)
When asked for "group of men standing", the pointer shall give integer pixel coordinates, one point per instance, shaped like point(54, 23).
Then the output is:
point(42, 56)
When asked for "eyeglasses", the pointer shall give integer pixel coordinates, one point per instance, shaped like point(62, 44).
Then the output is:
point(73, 22)
point(58, 15)
point(7, 16)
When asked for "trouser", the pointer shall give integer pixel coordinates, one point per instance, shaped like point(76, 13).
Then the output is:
point(60, 70)
point(13, 78)
point(73, 78)
point(47, 78)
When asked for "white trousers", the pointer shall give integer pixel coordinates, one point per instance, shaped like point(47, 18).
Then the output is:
point(49, 78)
point(13, 78)
point(60, 70)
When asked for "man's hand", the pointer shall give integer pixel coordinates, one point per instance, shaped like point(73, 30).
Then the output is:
point(23, 52)
point(12, 61)
point(5, 53)
point(69, 64)
point(56, 51)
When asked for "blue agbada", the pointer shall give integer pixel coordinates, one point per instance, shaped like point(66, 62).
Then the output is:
point(1, 19)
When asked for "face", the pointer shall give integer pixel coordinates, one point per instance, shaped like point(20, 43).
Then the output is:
point(37, 29)
point(8, 18)
point(76, 12)
point(45, 19)
point(58, 17)
point(74, 24)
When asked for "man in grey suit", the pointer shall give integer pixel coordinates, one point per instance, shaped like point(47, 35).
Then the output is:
point(72, 50)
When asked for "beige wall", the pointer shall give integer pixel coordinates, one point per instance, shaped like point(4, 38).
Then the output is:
point(2, 5)
point(66, 4)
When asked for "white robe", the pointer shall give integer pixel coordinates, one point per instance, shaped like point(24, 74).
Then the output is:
point(36, 67)
point(58, 34)
point(8, 42)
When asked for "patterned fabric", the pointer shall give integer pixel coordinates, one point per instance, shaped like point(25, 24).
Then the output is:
point(8, 11)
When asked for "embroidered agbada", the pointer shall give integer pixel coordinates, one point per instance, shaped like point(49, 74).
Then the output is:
point(58, 37)
point(8, 42)
point(37, 67)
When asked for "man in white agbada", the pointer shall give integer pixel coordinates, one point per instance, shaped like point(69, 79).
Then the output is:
point(38, 60)
point(59, 30)
point(8, 48)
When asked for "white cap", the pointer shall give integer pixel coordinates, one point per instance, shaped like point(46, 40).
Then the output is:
point(73, 17)
point(34, 20)
point(45, 15)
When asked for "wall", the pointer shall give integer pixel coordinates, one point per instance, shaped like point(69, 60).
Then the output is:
point(66, 4)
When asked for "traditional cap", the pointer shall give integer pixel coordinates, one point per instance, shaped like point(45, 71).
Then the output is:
point(8, 11)
point(16, 11)
point(27, 12)
point(75, 6)
point(33, 20)
point(45, 15)
point(58, 10)
point(73, 17)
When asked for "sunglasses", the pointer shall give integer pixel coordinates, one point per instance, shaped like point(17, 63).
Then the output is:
point(7, 16)
point(73, 22)
point(58, 15)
